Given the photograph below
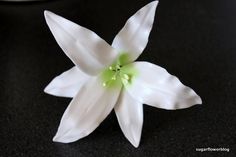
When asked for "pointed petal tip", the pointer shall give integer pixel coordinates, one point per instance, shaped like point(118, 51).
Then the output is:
point(47, 89)
point(134, 137)
point(133, 140)
point(55, 139)
point(50, 90)
point(154, 3)
point(199, 100)
point(60, 139)
point(47, 12)
point(65, 138)
point(46, 15)
point(135, 143)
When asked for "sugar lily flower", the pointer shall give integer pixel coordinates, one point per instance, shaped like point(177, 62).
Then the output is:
point(106, 77)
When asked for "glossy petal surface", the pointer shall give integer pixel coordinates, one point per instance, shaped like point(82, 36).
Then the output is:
point(156, 87)
point(129, 113)
point(133, 37)
point(68, 83)
point(84, 47)
point(86, 111)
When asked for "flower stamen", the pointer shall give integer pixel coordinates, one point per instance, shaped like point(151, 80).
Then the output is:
point(118, 73)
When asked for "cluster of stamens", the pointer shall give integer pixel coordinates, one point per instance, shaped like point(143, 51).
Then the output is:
point(118, 75)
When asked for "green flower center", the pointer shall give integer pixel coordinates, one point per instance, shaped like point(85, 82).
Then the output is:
point(120, 72)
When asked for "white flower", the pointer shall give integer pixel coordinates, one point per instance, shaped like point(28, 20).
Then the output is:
point(106, 77)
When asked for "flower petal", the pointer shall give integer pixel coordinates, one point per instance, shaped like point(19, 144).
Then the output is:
point(133, 37)
point(86, 111)
point(129, 113)
point(156, 87)
point(68, 83)
point(85, 48)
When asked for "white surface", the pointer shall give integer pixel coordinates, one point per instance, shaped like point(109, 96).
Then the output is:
point(133, 37)
point(68, 83)
point(85, 48)
point(156, 87)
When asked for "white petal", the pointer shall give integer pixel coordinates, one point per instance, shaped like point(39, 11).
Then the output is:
point(68, 83)
point(129, 113)
point(85, 48)
point(86, 111)
point(156, 87)
point(133, 37)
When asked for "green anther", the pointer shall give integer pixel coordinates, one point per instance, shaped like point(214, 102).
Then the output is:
point(120, 72)
point(104, 84)
point(113, 78)
point(118, 67)
point(125, 76)
point(125, 82)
